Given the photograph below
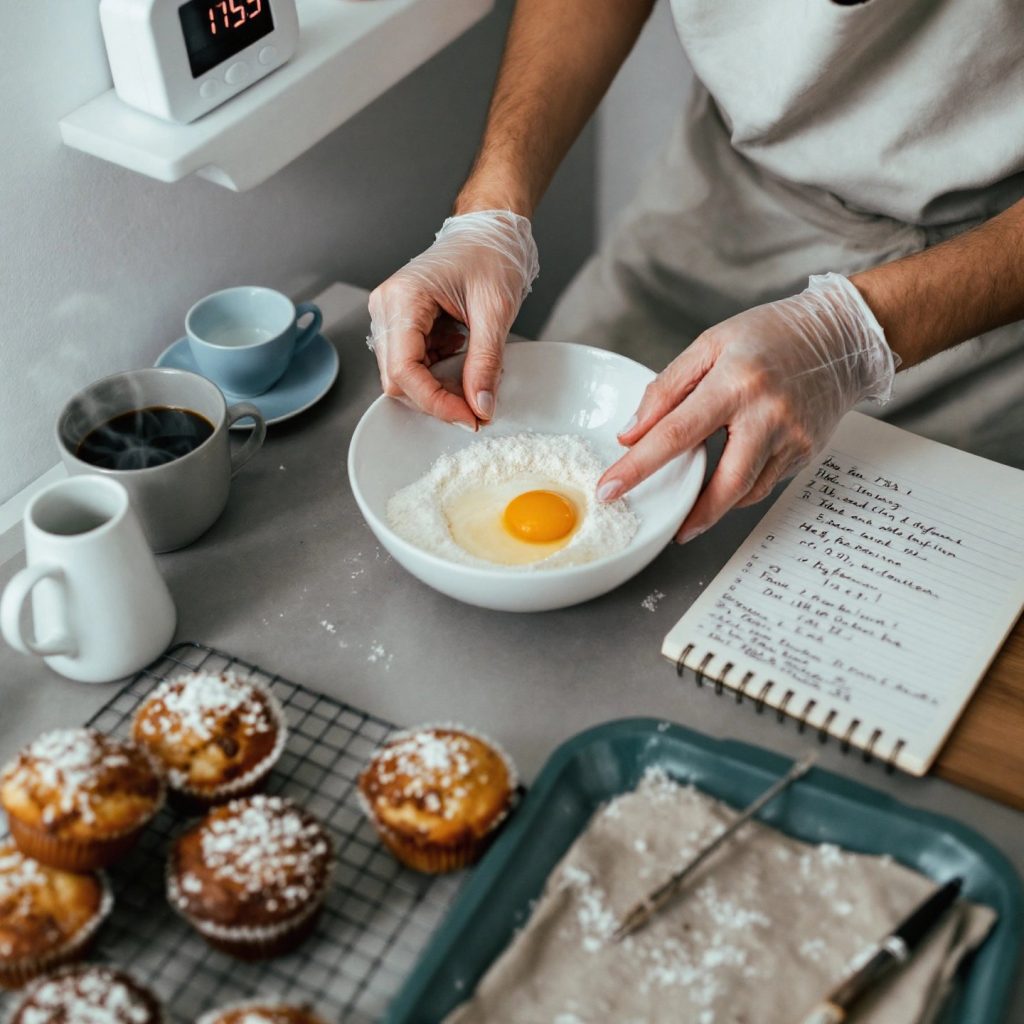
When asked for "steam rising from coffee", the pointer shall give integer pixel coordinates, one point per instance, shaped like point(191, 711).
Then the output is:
point(143, 438)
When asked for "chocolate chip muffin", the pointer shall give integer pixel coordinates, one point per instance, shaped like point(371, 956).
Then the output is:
point(88, 995)
point(216, 736)
point(251, 876)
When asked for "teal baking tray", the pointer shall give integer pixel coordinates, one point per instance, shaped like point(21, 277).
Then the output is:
point(602, 762)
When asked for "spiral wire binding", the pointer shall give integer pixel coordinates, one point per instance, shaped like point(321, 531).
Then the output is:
point(741, 690)
point(782, 712)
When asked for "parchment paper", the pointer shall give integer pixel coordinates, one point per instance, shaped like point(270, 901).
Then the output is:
point(758, 936)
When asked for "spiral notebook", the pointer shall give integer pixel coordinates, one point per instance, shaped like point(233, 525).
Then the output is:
point(870, 600)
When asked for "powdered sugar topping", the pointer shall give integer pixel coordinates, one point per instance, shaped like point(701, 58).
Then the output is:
point(18, 873)
point(19, 878)
point(265, 845)
point(197, 705)
point(437, 767)
point(261, 1011)
point(97, 996)
point(68, 763)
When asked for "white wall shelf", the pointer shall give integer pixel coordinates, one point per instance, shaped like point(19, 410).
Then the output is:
point(350, 52)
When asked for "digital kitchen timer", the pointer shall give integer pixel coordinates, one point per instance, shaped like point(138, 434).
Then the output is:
point(178, 59)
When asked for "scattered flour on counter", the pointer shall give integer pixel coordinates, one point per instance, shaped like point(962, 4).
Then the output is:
point(378, 655)
point(417, 513)
point(652, 600)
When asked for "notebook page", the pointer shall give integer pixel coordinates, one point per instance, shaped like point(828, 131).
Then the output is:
point(874, 593)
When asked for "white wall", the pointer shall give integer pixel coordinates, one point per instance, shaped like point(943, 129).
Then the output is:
point(635, 116)
point(99, 264)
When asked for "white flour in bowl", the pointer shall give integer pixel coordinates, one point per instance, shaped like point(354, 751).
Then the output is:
point(419, 513)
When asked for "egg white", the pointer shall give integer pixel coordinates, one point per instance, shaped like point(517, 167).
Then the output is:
point(497, 469)
point(475, 520)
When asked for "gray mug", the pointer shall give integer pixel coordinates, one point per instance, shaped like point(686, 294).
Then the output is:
point(178, 480)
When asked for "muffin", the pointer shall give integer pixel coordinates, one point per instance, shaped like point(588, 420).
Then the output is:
point(78, 800)
point(47, 917)
point(251, 876)
point(436, 795)
point(261, 1011)
point(88, 995)
point(215, 736)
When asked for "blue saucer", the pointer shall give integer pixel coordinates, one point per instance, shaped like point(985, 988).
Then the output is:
point(305, 382)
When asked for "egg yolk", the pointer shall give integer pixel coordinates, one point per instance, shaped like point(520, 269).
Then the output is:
point(539, 516)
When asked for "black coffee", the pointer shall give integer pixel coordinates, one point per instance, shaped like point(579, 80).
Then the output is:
point(144, 437)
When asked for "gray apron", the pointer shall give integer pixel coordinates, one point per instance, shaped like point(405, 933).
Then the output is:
point(818, 138)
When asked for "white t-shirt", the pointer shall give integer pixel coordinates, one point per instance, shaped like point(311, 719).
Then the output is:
point(909, 108)
point(824, 138)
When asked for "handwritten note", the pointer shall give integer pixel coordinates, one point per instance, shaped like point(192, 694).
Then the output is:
point(873, 594)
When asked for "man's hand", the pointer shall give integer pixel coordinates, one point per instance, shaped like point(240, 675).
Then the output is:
point(559, 59)
point(472, 280)
point(778, 378)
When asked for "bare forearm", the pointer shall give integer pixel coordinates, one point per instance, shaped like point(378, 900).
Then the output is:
point(938, 298)
point(560, 57)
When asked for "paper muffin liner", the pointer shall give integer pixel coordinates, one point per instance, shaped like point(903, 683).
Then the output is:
point(193, 799)
point(254, 942)
point(434, 858)
point(422, 854)
point(16, 973)
point(70, 853)
point(258, 1002)
point(159, 1016)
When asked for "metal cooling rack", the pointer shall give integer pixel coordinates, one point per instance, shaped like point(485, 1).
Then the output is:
point(377, 918)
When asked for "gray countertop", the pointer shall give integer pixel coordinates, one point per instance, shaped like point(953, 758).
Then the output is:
point(291, 579)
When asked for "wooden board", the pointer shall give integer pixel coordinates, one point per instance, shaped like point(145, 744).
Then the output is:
point(985, 752)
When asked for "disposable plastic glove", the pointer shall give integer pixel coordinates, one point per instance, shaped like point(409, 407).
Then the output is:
point(474, 277)
point(778, 378)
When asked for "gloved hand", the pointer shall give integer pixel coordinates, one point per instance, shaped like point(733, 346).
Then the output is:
point(778, 377)
point(475, 276)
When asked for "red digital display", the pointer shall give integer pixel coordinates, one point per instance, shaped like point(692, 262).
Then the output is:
point(228, 14)
point(215, 30)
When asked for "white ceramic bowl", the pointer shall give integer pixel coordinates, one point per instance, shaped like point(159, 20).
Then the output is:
point(548, 387)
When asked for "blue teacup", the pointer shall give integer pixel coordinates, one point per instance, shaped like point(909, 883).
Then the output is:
point(244, 338)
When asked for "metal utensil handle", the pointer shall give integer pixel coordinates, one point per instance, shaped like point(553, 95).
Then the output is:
point(655, 900)
point(797, 771)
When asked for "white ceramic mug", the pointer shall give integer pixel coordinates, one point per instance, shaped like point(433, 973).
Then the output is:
point(100, 608)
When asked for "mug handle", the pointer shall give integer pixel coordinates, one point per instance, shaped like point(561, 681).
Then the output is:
point(13, 602)
point(312, 329)
point(255, 439)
